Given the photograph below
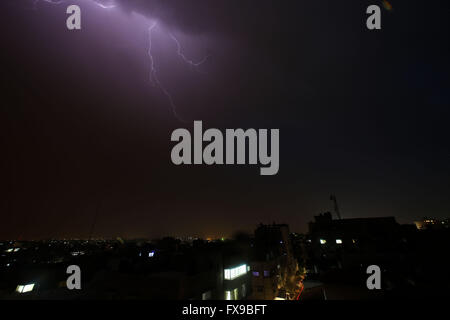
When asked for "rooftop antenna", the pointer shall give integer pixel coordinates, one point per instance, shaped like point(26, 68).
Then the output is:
point(336, 208)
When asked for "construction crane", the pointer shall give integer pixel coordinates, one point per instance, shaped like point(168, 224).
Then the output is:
point(336, 208)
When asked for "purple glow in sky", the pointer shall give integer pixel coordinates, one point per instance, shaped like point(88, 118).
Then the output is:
point(363, 115)
point(134, 23)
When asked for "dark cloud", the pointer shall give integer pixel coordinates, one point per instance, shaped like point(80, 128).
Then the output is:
point(204, 16)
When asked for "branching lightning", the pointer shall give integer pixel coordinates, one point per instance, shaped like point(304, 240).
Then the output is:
point(154, 76)
point(183, 57)
point(100, 4)
point(49, 1)
point(35, 2)
point(154, 80)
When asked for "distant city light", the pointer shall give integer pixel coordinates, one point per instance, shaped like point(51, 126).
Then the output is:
point(338, 241)
point(151, 254)
point(323, 241)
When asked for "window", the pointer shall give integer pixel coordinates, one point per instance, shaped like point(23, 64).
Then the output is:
point(256, 273)
point(232, 295)
point(338, 241)
point(323, 241)
point(266, 273)
point(233, 273)
point(25, 288)
point(151, 254)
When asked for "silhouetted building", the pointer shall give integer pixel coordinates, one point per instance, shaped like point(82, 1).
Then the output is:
point(273, 265)
point(432, 224)
point(166, 269)
point(349, 242)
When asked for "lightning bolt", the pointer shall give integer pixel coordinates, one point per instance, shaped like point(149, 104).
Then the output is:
point(35, 2)
point(154, 76)
point(183, 57)
point(101, 5)
point(154, 80)
point(153, 73)
point(49, 1)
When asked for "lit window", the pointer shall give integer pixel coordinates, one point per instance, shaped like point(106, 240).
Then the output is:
point(28, 288)
point(227, 295)
point(25, 288)
point(338, 241)
point(233, 273)
point(151, 254)
point(266, 273)
point(256, 273)
point(323, 241)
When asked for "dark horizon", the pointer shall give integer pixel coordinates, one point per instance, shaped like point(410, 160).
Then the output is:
point(362, 114)
point(193, 234)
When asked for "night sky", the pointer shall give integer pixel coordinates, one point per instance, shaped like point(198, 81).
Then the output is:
point(362, 114)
